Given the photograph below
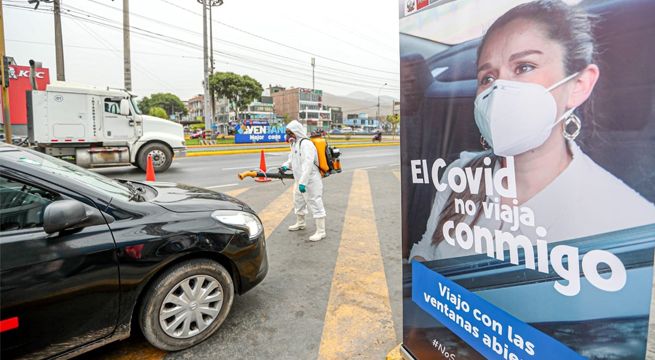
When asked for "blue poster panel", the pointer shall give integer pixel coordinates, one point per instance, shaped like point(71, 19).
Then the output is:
point(528, 184)
point(259, 132)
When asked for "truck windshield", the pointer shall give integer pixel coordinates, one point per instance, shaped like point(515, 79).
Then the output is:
point(62, 168)
point(135, 106)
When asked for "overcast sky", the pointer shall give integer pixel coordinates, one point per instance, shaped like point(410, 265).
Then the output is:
point(355, 42)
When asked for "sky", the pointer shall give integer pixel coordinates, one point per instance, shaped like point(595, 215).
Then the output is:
point(355, 43)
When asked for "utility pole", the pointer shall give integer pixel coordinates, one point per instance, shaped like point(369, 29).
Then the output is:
point(4, 77)
point(127, 67)
point(211, 60)
point(313, 67)
point(206, 110)
point(378, 114)
point(59, 45)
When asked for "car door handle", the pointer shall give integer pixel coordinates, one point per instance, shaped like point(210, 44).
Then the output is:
point(131, 122)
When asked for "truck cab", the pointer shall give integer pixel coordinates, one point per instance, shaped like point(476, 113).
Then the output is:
point(98, 127)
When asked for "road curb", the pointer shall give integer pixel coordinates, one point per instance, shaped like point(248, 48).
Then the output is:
point(257, 151)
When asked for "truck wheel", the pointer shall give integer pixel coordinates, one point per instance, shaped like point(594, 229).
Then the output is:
point(162, 157)
point(186, 304)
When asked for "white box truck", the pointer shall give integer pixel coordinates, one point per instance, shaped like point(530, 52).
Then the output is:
point(96, 127)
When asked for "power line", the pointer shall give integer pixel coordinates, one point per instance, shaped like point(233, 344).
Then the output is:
point(167, 40)
point(83, 13)
point(282, 44)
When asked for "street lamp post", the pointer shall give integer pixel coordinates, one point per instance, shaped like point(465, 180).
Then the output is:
point(207, 113)
point(378, 114)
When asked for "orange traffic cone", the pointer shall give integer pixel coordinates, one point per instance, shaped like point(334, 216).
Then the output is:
point(150, 170)
point(262, 167)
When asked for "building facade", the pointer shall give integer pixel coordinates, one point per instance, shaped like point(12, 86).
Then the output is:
point(336, 117)
point(304, 105)
point(362, 121)
point(195, 107)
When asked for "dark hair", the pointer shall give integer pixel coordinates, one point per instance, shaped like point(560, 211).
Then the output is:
point(568, 25)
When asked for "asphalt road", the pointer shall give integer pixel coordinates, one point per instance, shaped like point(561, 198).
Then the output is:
point(339, 298)
point(220, 172)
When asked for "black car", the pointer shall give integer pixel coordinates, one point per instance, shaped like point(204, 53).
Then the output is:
point(84, 258)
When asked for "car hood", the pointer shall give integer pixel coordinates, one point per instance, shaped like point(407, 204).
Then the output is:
point(184, 198)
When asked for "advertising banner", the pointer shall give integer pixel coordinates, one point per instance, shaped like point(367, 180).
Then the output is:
point(259, 131)
point(19, 83)
point(528, 177)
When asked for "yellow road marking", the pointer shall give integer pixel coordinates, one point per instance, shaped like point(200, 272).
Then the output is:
point(236, 192)
point(257, 151)
point(131, 349)
point(396, 173)
point(276, 211)
point(358, 316)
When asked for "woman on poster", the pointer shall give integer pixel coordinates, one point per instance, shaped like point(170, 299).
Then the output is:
point(535, 73)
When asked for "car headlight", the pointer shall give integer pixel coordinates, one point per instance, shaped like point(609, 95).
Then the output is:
point(240, 219)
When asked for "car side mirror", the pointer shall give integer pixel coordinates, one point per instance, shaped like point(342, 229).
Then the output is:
point(125, 107)
point(68, 215)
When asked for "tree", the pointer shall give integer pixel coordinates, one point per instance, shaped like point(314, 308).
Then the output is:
point(158, 112)
point(167, 101)
point(394, 120)
point(287, 118)
point(239, 90)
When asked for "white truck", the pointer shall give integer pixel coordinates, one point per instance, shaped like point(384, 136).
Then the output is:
point(96, 127)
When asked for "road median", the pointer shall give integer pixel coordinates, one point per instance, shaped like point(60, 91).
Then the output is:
point(250, 150)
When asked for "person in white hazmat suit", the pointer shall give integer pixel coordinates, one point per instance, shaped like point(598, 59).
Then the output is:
point(308, 193)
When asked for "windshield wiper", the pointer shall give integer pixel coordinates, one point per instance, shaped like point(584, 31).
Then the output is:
point(135, 193)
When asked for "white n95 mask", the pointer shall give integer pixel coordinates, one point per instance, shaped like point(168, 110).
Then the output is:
point(515, 117)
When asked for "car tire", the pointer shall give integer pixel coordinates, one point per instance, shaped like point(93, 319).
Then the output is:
point(162, 299)
point(162, 157)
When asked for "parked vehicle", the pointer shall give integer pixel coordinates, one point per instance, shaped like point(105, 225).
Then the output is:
point(99, 127)
point(198, 134)
point(84, 258)
point(335, 132)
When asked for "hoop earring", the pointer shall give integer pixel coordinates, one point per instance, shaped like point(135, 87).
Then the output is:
point(484, 144)
point(572, 119)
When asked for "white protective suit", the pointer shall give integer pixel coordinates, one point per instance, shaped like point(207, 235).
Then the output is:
point(303, 161)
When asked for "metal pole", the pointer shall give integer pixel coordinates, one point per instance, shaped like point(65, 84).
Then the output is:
point(59, 45)
point(127, 68)
point(378, 113)
point(206, 111)
point(211, 62)
point(313, 67)
point(4, 86)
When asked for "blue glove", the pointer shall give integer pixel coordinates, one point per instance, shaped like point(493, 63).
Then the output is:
point(284, 168)
point(302, 188)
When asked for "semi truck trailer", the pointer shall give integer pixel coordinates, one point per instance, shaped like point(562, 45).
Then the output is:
point(99, 127)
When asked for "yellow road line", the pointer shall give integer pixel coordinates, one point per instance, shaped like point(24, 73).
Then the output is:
point(396, 173)
point(236, 192)
point(284, 149)
point(358, 317)
point(276, 211)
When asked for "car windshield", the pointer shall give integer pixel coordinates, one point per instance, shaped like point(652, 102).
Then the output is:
point(73, 172)
point(135, 105)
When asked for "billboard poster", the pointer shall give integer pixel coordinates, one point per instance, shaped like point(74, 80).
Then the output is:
point(528, 195)
point(259, 132)
point(19, 83)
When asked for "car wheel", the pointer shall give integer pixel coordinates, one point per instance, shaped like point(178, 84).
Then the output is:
point(162, 157)
point(186, 304)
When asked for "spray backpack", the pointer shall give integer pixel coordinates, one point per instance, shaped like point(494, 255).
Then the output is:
point(328, 156)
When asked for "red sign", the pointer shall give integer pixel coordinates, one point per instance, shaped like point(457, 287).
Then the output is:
point(19, 82)
point(422, 3)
